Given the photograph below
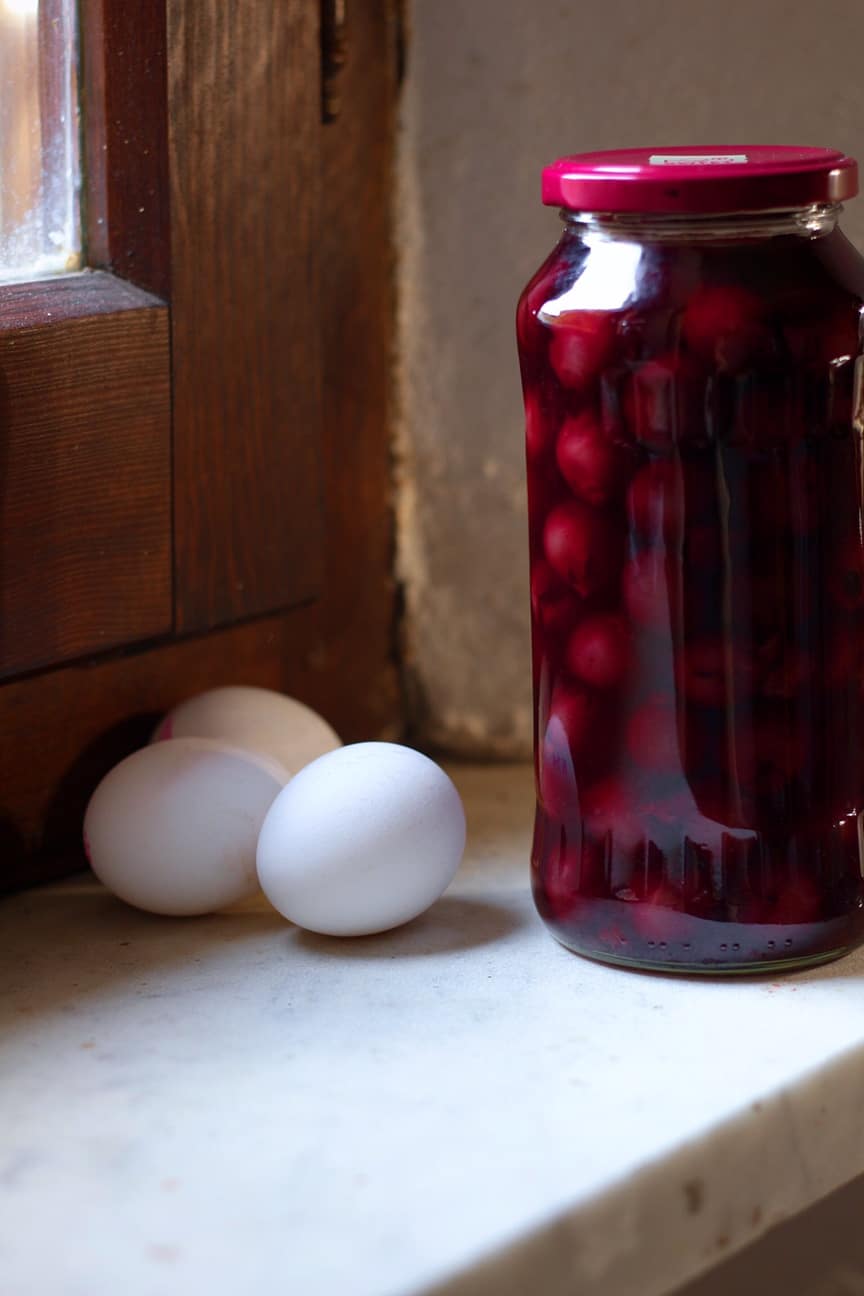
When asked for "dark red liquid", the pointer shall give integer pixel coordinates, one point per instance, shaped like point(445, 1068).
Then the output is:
point(697, 586)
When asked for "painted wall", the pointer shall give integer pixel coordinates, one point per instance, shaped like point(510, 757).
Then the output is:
point(496, 88)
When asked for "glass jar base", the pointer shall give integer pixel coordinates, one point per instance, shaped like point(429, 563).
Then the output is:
point(796, 963)
point(663, 938)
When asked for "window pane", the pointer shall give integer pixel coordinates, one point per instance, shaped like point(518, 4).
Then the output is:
point(40, 228)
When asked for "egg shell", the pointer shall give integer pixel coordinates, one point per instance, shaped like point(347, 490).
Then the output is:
point(254, 718)
point(173, 828)
point(364, 839)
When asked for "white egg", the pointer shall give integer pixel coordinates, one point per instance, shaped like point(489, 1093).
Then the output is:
point(255, 718)
point(361, 840)
point(173, 828)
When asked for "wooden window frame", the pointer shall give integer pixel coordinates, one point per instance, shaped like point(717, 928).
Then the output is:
point(274, 283)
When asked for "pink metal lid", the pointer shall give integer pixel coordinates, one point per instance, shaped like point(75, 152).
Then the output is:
point(700, 178)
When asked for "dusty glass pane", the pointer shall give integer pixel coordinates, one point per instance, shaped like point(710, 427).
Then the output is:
point(40, 228)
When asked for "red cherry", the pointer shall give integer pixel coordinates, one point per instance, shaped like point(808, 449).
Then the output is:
point(646, 593)
point(576, 711)
point(531, 333)
point(567, 738)
point(655, 502)
point(556, 778)
point(652, 737)
point(593, 467)
point(598, 651)
point(607, 798)
point(581, 347)
point(555, 607)
point(724, 326)
point(539, 427)
point(713, 672)
point(560, 875)
point(545, 490)
point(582, 546)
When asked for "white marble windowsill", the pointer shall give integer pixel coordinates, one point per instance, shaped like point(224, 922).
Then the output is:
point(226, 1105)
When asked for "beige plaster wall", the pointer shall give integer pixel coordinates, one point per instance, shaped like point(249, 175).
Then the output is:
point(496, 88)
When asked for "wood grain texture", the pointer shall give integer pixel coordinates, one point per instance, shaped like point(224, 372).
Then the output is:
point(244, 105)
point(61, 731)
point(123, 66)
point(85, 484)
point(70, 296)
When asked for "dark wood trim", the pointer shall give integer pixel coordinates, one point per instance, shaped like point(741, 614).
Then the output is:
point(245, 149)
point(85, 483)
point(123, 65)
point(70, 296)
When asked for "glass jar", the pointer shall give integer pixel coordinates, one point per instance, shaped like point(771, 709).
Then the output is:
point(690, 366)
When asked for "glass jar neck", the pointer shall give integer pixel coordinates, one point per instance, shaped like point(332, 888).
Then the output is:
point(641, 227)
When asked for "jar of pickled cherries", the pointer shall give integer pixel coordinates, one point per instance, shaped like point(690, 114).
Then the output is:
point(691, 373)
